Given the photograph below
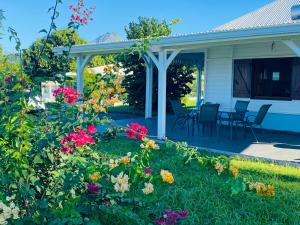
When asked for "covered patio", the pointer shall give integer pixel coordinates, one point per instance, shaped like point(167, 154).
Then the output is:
point(274, 145)
point(214, 53)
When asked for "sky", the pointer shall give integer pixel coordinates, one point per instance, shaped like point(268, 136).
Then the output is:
point(28, 17)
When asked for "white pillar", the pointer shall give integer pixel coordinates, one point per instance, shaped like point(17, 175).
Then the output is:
point(199, 84)
point(79, 75)
point(162, 90)
point(81, 63)
point(162, 63)
point(149, 88)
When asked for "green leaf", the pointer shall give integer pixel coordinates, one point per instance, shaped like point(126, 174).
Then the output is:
point(43, 31)
point(43, 204)
point(37, 159)
point(237, 186)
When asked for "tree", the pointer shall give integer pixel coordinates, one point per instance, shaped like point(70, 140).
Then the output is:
point(9, 64)
point(178, 76)
point(50, 66)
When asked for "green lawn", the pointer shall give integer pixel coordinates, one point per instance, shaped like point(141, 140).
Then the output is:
point(208, 198)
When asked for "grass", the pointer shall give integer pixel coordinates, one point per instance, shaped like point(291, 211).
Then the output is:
point(207, 197)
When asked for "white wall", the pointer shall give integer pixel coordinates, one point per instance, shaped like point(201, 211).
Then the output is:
point(219, 77)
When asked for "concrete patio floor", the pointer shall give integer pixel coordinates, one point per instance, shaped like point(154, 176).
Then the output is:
point(273, 145)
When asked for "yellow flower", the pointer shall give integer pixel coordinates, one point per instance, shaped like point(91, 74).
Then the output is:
point(219, 168)
point(262, 189)
point(234, 170)
point(150, 145)
point(125, 160)
point(95, 177)
point(113, 163)
point(148, 188)
point(167, 177)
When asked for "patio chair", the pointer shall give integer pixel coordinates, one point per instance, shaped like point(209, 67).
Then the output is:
point(239, 114)
point(181, 114)
point(256, 121)
point(208, 116)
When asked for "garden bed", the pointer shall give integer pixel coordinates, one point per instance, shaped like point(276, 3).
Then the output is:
point(207, 196)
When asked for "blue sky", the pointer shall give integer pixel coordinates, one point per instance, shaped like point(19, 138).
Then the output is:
point(30, 16)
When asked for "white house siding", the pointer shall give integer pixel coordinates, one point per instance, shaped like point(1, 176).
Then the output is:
point(219, 76)
point(283, 115)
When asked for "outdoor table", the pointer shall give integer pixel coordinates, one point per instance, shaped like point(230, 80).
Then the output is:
point(229, 112)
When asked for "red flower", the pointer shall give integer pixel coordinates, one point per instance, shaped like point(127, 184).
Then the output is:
point(67, 149)
point(70, 95)
point(136, 130)
point(57, 91)
point(92, 129)
point(130, 133)
point(70, 6)
point(74, 140)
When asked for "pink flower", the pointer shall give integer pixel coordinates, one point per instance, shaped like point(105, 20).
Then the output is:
point(148, 171)
point(57, 91)
point(74, 140)
point(93, 188)
point(70, 95)
point(130, 133)
point(66, 149)
point(136, 130)
point(92, 129)
point(171, 217)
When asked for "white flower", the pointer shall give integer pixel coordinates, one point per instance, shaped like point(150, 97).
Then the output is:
point(12, 205)
point(148, 188)
point(121, 182)
point(3, 220)
point(128, 154)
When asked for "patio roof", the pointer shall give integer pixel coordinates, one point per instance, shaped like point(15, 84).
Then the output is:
point(188, 41)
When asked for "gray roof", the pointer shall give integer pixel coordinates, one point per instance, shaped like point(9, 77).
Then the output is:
point(276, 13)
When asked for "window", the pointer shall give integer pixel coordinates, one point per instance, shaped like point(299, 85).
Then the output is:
point(276, 78)
point(271, 78)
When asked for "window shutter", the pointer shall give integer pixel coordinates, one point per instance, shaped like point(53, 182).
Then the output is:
point(296, 79)
point(242, 78)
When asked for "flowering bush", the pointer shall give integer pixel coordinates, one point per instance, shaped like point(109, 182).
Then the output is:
point(81, 13)
point(66, 94)
point(77, 139)
point(106, 92)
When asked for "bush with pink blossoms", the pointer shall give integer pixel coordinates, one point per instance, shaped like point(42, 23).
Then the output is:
point(137, 131)
point(66, 94)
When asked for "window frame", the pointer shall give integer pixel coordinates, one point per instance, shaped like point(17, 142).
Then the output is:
point(252, 96)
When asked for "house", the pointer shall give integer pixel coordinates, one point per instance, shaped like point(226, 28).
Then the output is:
point(254, 57)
